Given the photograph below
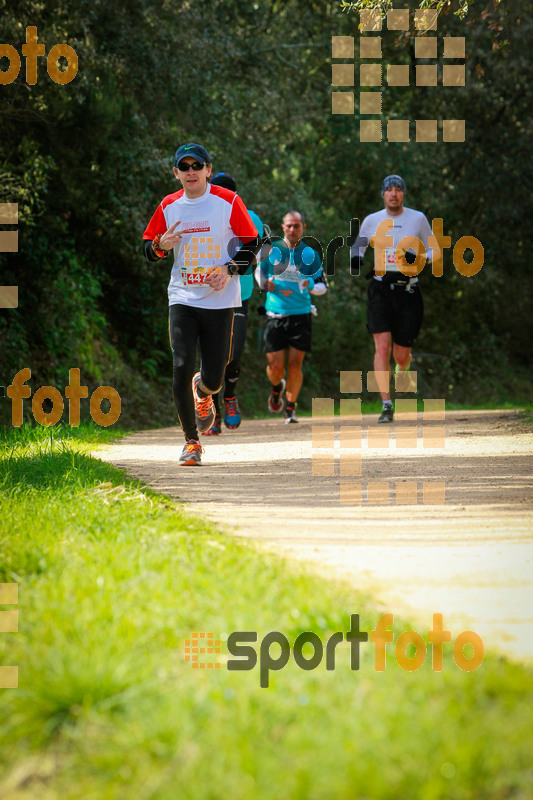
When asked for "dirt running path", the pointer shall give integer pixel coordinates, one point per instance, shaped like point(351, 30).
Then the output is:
point(470, 559)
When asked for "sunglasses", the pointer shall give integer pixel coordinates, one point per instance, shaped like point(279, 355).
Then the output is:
point(196, 166)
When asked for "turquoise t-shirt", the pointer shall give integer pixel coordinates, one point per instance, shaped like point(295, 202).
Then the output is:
point(289, 267)
point(247, 281)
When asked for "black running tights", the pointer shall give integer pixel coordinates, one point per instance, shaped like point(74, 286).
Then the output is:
point(211, 328)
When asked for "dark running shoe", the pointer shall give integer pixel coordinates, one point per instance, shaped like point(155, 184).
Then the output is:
point(275, 400)
point(204, 407)
point(387, 414)
point(232, 416)
point(290, 416)
point(216, 427)
point(191, 455)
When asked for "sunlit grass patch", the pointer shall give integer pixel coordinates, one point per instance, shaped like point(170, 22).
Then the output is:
point(113, 579)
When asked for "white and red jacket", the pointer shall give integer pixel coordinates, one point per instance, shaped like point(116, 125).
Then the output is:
point(215, 223)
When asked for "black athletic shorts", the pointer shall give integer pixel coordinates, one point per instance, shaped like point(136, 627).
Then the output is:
point(294, 330)
point(393, 308)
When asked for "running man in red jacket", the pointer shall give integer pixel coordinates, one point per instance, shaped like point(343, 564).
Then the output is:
point(204, 225)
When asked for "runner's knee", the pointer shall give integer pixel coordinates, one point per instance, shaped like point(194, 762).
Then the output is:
point(383, 347)
point(182, 372)
point(206, 385)
point(402, 355)
point(294, 367)
point(275, 372)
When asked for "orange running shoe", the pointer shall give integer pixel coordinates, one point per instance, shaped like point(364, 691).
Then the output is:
point(204, 407)
point(191, 455)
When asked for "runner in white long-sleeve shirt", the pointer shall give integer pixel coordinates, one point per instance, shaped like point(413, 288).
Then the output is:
point(394, 300)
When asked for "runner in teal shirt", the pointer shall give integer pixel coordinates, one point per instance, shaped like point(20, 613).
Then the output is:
point(293, 271)
point(290, 274)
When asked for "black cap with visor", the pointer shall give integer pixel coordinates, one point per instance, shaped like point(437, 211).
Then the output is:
point(195, 151)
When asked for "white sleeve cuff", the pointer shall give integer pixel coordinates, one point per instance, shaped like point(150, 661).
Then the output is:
point(260, 278)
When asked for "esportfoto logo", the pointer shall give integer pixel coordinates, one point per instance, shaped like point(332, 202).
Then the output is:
point(352, 447)
point(427, 46)
point(239, 644)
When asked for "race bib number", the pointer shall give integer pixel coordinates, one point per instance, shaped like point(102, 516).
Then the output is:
point(195, 276)
point(391, 260)
point(291, 275)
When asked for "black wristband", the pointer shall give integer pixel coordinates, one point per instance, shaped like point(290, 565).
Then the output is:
point(233, 268)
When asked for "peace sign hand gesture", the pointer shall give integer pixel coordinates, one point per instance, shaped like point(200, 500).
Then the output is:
point(171, 237)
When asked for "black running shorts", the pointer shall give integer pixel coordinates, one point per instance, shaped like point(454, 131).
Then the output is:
point(393, 308)
point(294, 330)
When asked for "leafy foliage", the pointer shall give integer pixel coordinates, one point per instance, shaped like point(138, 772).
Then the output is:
point(87, 162)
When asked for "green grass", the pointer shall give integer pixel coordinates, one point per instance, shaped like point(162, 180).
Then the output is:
point(112, 581)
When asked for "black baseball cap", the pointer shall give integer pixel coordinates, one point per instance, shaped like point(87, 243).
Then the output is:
point(225, 180)
point(195, 151)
